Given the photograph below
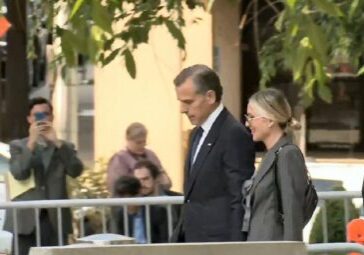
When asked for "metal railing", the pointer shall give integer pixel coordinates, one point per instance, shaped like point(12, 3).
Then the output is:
point(346, 196)
point(79, 203)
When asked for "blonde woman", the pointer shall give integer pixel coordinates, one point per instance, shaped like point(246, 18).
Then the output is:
point(274, 197)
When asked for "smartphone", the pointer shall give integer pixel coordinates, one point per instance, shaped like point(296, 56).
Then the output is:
point(40, 116)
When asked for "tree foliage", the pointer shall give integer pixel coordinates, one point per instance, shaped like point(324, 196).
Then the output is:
point(310, 37)
point(103, 30)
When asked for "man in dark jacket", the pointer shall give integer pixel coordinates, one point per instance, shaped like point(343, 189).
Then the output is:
point(148, 174)
point(44, 161)
point(220, 158)
point(129, 186)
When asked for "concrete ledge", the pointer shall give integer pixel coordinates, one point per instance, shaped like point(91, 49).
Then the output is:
point(238, 248)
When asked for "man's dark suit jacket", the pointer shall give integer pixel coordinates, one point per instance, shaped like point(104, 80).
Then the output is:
point(50, 169)
point(176, 209)
point(158, 223)
point(212, 208)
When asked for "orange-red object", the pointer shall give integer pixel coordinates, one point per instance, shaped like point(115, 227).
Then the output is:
point(4, 26)
point(355, 232)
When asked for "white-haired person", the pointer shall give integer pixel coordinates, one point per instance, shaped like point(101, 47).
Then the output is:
point(122, 163)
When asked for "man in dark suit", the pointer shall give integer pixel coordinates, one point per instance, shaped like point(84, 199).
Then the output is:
point(129, 186)
point(221, 156)
point(148, 174)
point(45, 160)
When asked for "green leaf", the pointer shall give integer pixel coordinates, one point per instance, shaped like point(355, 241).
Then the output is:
point(328, 7)
point(111, 57)
point(291, 3)
point(176, 33)
point(50, 16)
point(306, 94)
point(130, 63)
point(307, 101)
point(308, 89)
point(77, 41)
point(320, 73)
point(76, 7)
point(294, 30)
point(96, 34)
point(108, 44)
point(67, 48)
point(298, 62)
point(361, 71)
point(93, 50)
point(279, 23)
point(95, 43)
point(325, 93)
point(318, 39)
point(138, 34)
point(305, 42)
point(353, 8)
point(101, 16)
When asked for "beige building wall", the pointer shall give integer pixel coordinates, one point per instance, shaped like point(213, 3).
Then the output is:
point(226, 50)
point(150, 98)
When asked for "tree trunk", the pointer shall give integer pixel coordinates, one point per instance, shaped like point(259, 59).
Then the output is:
point(14, 93)
point(303, 134)
point(300, 135)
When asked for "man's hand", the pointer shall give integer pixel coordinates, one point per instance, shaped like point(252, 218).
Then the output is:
point(34, 133)
point(48, 132)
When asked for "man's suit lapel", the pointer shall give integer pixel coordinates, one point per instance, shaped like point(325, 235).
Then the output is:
point(269, 160)
point(205, 149)
point(188, 159)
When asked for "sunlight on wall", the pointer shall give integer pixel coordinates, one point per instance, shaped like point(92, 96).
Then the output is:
point(150, 98)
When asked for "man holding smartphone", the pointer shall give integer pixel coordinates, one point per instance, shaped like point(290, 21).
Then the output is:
point(48, 160)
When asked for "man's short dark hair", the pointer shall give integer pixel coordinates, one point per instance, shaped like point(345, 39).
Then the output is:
point(203, 77)
point(39, 100)
point(127, 186)
point(150, 166)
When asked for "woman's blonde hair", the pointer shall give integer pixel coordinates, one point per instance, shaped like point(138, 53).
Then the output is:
point(274, 105)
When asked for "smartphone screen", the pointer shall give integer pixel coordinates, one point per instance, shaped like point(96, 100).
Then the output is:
point(39, 116)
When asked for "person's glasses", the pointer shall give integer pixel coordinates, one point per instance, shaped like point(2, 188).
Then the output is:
point(250, 118)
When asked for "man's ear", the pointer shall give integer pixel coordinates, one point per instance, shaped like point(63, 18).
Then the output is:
point(29, 119)
point(211, 96)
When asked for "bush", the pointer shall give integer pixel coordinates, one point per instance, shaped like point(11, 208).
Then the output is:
point(335, 221)
point(92, 182)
